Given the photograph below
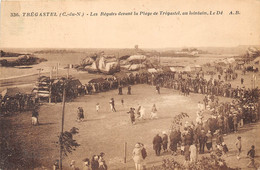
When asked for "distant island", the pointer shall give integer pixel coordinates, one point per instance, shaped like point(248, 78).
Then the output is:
point(8, 59)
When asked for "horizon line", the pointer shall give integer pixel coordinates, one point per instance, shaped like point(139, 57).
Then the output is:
point(125, 47)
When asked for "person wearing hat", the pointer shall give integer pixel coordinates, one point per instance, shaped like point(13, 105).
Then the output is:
point(137, 156)
point(164, 141)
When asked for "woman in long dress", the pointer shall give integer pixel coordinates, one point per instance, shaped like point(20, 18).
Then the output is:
point(142, 112)
point(137, 156)
point(154, 112)
point(193, 153)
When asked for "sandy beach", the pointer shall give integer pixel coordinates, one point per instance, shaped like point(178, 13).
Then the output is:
point(107, 131)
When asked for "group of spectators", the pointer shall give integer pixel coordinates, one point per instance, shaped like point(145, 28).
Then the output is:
point(184, 81)
point(16, 103)
point(225, 118)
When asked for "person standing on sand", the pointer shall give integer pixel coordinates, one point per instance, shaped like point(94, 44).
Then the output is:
point(120, 90)
point(35, 115)
point(94, 162)
point(138, 111)
point(129, 90)
point(137, 156)
point(142, 113)
point(251, 154)
point(80, 116)
point(193, 153)
point(102, 162)
point(157, 142)
point(112, 105)
point(132, 115)
point(154, 112)
point(165, 141)
point(97, 107)
point(238, 146)
point(158, 89)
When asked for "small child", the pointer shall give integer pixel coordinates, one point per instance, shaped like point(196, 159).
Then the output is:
point(238, 146)
point(97, 107)
point(122, 102)
point(251, 154)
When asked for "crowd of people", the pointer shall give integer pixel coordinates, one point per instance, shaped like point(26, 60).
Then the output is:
point(197, 137)
point(16, 103)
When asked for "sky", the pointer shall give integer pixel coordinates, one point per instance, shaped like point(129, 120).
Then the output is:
point(156, 31)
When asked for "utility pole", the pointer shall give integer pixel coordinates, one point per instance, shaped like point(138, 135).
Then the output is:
point(57, 68)
point(62, 122)
point(68, 73)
